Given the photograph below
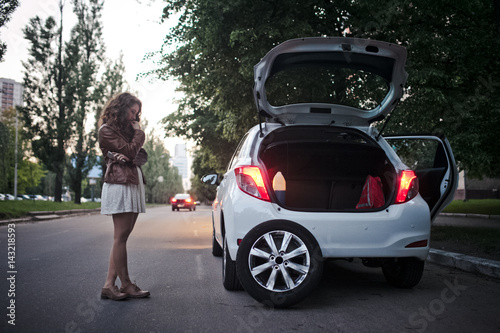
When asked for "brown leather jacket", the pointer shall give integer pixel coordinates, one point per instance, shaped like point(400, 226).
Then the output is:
point(113, 141)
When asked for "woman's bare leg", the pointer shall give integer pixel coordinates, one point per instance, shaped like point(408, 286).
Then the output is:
point(123, 225)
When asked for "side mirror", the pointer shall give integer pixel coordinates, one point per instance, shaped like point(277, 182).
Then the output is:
point(211, 179)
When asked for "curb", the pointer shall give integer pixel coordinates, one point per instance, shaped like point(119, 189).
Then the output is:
point(51, 215)
point(465, 263)
point(481, 216)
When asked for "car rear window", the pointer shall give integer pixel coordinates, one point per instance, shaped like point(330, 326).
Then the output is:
point(325, 81)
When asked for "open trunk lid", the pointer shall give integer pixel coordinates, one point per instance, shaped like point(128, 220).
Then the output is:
point(319, 80)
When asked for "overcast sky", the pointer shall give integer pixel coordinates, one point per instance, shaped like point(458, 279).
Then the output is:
point(129, 26)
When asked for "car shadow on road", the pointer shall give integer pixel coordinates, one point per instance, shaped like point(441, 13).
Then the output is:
point(348, 282)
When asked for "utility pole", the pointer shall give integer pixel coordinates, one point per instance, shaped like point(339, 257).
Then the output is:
point(15, 156)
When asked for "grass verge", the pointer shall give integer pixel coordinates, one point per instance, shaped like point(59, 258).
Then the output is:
point(482, 242)
point(20, 208)
point(483, 206)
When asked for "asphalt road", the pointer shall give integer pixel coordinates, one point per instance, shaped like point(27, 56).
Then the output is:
point(60, 266)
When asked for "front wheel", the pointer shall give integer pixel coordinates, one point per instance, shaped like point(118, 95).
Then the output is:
point(279, 263)
point(403, 272)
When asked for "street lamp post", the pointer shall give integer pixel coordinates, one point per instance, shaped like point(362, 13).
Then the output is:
point(15, 157)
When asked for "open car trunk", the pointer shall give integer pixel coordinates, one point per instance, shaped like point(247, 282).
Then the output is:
point(325, 168)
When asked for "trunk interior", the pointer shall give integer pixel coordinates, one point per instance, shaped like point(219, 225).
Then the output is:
point(325, 168)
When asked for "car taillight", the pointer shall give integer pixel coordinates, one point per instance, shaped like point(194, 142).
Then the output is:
point(188, 200)
point(250, 181)
point(174, 200)
point(407, 186)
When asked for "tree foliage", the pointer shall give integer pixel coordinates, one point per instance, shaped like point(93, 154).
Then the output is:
point(453, 66)
point(7, 7)
point(29, 173)
point(454, 72)
point(46, 115)
point(84, 57)
point(5, 158)
point(66, 85)
point(163, 180)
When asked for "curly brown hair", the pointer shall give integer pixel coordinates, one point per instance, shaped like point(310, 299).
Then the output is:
point(115, 112)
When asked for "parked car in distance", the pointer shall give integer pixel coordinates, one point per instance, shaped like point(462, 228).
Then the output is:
point(37, 197)
point(184, 201)
point(316, 181)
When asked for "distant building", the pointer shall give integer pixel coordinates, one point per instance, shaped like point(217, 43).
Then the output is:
point(180, 160)
point(11, 93)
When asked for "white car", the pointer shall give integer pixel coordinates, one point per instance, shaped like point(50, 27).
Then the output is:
point(317, 181)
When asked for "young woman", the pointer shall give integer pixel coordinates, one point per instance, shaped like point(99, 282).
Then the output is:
point(123, 197)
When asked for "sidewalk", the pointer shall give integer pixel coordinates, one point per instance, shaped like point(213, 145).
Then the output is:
point(450, 259)
point(50, 215)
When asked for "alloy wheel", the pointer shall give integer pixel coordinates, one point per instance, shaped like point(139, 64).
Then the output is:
point(279, 261)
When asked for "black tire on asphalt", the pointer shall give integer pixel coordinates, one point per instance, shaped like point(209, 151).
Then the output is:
point(173, 209)
point(216, 248)
point(302, 268)
point(403, 272)
point(230, 278)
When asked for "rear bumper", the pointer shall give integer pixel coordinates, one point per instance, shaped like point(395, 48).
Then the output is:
point(182, 205)
point(379, 234)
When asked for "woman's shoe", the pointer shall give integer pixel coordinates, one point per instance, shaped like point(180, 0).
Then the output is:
point(133, 291)
point(113, 293)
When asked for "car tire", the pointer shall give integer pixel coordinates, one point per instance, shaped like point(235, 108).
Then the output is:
point(276, 273)
point(403, 272)
point(173, 208)
point(194, 208)
point(230, 278)
point(216, 248)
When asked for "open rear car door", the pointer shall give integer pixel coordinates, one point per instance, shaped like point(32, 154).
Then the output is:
point(432, 160)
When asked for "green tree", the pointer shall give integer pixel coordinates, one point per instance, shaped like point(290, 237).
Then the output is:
point(219, 45)
point(163, 180)
point(84, 55)
point(454, 71)
point(111, 83)
point(46, 115)
point(453, 65)
point(5, 157)
point(29, 172)
point(7, 7)
point(66, 84)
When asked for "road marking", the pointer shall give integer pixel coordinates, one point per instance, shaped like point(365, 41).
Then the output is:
point(199, 267)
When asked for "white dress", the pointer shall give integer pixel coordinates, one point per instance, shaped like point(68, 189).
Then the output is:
point(123, 198)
